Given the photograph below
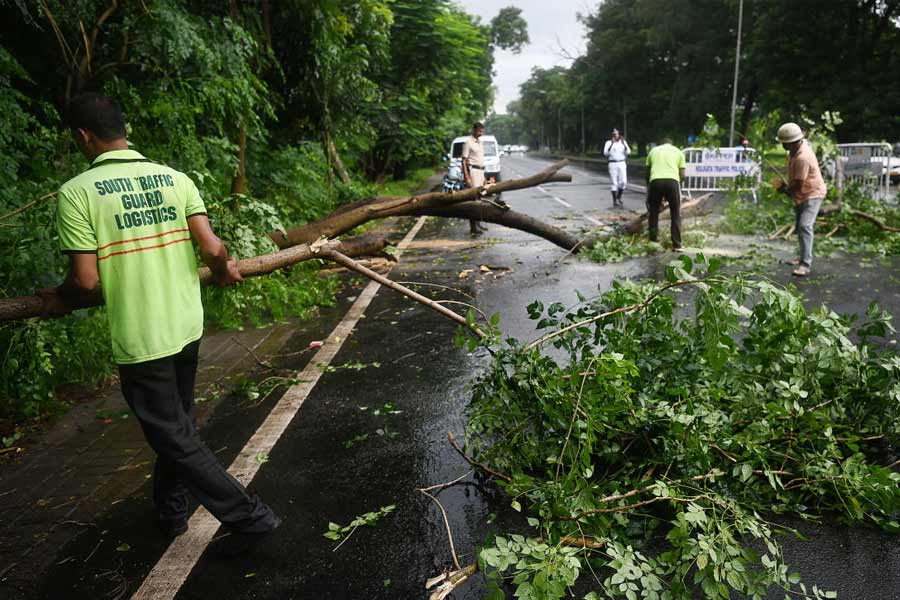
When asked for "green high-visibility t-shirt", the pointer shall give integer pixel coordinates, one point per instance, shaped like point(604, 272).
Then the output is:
point(133, 214)
point(665, 161)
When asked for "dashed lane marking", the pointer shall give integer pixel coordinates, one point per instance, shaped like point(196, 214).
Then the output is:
point(166, 578)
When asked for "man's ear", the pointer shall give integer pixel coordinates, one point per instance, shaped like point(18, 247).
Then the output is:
point(82, 138)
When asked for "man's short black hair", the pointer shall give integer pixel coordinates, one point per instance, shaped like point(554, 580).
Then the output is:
point(478, 124)
point(99, 114)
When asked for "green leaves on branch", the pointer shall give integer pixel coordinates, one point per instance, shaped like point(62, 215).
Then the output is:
point(671, 428)
point(342, 533)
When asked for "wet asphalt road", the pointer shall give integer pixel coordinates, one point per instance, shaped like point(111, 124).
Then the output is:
point(400, 410)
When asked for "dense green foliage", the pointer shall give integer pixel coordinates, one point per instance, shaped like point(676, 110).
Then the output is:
point(675, 421)
point(279, 111)
point(653, 67)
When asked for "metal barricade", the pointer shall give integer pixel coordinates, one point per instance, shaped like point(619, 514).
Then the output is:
point(868, 165)
point(720, 169)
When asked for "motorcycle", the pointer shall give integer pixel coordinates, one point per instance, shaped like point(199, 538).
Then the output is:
point(453, 179)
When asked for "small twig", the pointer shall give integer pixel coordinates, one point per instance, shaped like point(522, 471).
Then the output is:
point(441, 486)
point(467, 305)
point(352, 531)
point(447, 525)
point(435, 285)
point(581, 542)
point(263, 363)
point(617, 497)
point(94, 551)
point(790, 232)
point(778, 232)
point(484, 468)
point(25, 207)
point(725, 454)
point(7, 569)
point(565, 445)
point(832, 232)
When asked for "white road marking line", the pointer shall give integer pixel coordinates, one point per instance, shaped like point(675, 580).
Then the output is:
point(567, 205)
point(166, 578)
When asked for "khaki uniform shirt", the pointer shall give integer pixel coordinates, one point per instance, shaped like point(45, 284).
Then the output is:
point(474, 151)
point(803, 166)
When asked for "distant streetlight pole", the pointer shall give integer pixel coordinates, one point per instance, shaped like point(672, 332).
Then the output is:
point(737, 66)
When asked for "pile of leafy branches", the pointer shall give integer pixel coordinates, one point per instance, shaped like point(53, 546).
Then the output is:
point(619, 248)
point(837, 230)
point(663, 436)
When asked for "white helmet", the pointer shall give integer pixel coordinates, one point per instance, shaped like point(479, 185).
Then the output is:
point(788, 133)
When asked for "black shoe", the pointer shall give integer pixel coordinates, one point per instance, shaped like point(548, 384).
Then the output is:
point(172, 528)
point(236, 543)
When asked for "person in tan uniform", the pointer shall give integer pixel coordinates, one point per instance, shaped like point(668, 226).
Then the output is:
point(473, 167)
point(805, 187)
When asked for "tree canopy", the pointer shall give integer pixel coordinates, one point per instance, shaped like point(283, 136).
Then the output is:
point(655, 67)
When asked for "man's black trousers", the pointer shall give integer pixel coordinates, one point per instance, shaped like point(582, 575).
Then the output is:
point(161, 394)
point(670, 191)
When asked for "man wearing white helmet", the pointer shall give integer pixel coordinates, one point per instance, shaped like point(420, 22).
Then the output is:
point(616, 150)
point(806, 188)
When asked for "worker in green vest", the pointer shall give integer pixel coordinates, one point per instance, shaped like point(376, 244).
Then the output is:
point(128, 226)
point(665, 171)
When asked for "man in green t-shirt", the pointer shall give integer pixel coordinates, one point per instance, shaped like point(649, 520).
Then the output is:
point(127, 225)
point(665, 170)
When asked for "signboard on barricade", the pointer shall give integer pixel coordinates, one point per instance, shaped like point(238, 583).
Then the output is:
point(867, 165)
point(716, 169)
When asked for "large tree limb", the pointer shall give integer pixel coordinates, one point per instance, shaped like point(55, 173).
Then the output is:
point(352, 215)
point(483, 210)
point(26, 307)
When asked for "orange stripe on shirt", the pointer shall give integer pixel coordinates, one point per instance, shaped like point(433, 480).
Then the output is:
point(187, 239)
point(146, 237)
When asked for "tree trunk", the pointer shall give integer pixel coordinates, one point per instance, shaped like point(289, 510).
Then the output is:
point(336, 161)
point(352, 215)
point(239, 183)
point(483, 210)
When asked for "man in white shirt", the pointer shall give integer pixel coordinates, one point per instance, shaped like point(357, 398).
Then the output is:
point(473, 167)
point(616, 150)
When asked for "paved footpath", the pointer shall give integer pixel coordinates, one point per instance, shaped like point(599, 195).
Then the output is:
point(373, 429)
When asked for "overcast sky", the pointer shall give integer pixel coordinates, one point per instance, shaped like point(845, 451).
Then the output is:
point(550, 22)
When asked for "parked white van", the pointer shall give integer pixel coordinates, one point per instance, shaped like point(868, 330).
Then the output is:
point(491, 155)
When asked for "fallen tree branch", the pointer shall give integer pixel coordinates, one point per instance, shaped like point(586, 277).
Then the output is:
point(873, 220)
point(447, 526)
point(26, 307)
point(332, 254)
point(481, 210)
point(453, 579)
point(485, 468)
point(354, 214)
